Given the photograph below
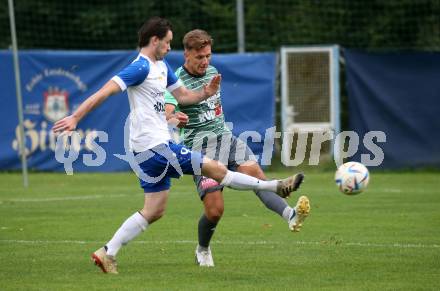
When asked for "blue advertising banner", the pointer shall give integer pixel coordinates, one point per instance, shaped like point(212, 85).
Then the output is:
point(399, 94)
point(54, 83)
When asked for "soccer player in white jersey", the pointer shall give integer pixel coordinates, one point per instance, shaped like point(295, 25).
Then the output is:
point(146, 79)
point(205, 119)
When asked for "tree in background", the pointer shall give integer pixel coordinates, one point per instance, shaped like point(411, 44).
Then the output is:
point(94, 24)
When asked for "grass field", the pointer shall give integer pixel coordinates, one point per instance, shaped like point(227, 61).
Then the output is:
point(387, 238)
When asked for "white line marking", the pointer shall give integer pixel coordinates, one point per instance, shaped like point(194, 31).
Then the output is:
point(323, 243)
point(65, 198)
point(392, 190)
point(91, 197)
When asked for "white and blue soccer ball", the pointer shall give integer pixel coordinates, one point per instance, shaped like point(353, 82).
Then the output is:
point(352, 178)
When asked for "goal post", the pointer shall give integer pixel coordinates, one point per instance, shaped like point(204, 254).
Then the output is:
point(310, 94)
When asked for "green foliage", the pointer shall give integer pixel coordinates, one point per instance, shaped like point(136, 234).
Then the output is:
point(393, 24)
point(354, 24)
point(5, 32)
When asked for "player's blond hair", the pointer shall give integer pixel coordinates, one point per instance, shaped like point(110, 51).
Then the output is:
point(197, 39)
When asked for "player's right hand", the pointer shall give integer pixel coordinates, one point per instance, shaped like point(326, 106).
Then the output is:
point(212, 87)
point(66, 124)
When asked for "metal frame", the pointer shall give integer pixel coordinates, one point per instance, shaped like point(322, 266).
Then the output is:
point(21, 140)
point(334, 123)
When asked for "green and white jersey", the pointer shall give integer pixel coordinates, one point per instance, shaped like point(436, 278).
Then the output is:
point(206, 116)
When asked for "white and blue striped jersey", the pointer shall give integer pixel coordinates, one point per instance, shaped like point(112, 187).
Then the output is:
point(146, 82)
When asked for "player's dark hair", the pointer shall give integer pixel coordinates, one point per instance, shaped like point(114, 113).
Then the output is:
point(197, 39)
point(155, 26)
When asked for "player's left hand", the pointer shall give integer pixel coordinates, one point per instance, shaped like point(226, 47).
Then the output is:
point(66, 124)
point(213, 85)
point(182, 118)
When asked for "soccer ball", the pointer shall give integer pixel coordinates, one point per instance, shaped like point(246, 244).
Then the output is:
point(352, 178)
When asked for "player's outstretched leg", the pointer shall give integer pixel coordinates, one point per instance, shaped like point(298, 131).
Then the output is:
point(239, 181)
point(299, 213)
point(105, 262)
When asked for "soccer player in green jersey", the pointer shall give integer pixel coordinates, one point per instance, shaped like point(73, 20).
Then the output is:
point(203, 128)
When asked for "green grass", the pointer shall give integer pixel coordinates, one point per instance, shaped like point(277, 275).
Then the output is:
point(387, 238)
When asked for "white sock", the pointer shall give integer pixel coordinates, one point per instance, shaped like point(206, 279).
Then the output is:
point(287, 212)
point(130, 229)
point(241, 181)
